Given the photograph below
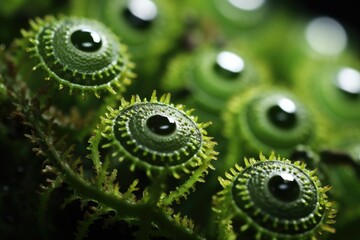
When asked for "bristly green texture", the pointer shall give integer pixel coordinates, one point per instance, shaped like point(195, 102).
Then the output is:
point(275, 198)
point(158, 138)
point(100, 193)
point(92, 148)
point(53, 43)
point(78, 55)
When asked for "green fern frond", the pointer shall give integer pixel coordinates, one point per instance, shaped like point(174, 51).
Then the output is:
point(184, 221)
point(129, 194)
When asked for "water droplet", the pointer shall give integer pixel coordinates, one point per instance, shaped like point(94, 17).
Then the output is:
point(284, 187)
point(86, 40)
point(161, 125)
point(229, 65)
point(348, 81)
point(283, 114)
point(140, 13)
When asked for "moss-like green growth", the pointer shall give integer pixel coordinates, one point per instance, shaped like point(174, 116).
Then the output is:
point(275, 198)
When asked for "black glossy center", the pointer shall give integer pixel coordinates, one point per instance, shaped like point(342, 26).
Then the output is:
point(140, 13)
point(161, 125)
point(284, 188)
point(228, 65)
point(86, 40)
point(282, 117)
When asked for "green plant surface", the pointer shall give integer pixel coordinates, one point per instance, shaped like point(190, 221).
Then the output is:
point(155, 119)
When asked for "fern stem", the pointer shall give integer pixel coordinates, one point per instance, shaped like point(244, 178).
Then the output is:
point(100, 168)
point(87, 190)
point(182, 190)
